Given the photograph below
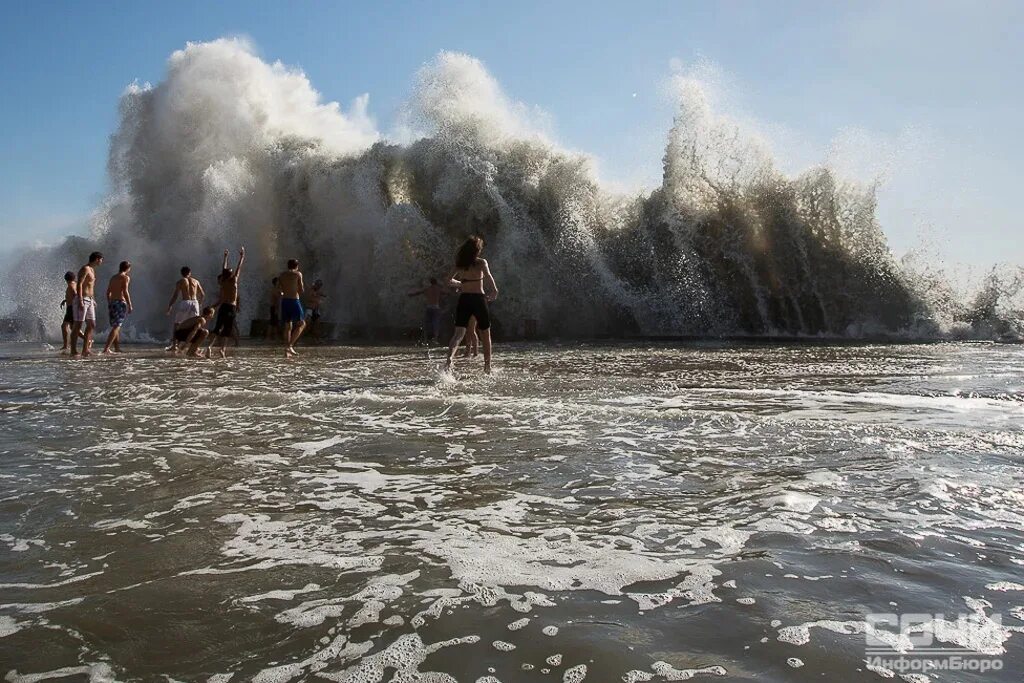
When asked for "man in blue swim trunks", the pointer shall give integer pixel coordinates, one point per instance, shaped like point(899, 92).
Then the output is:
point(292, 315)
point(119, 305)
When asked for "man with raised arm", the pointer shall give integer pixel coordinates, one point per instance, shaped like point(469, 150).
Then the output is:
point(189, 294)
point(292, 315)
point(119, 305)
point(85, 305)
point(227, 307)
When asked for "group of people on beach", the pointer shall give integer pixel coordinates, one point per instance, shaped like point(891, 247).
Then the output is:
point(471, 278)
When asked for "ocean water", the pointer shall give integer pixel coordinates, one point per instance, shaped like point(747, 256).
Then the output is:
point(589, 512)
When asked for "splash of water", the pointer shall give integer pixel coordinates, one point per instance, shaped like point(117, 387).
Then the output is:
point(230, 150)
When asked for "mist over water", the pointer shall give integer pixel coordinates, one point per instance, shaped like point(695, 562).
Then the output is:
point(229, 150)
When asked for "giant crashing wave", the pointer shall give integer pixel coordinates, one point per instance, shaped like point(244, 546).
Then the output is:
point(229, 150)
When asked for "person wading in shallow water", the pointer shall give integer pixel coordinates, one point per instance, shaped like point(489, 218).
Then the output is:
point(119, 305)
point(190, 295)
point(85, 305)
point(292, 315)
point(432, 312)
point(68, 304)
point(227, 308)
point(472, 277)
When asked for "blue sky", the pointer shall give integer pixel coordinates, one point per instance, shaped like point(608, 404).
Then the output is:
point(930, 90)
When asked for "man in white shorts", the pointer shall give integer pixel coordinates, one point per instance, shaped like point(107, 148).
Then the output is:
point(85, 305)
point(191, 296)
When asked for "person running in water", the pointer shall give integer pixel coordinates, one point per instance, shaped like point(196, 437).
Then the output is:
point(190, 333)
point(227, 306)
point(292, 315)
point(68, 304)
point(432, 313)
point(119, 305)
point(85, 305)
point(189, 294)
point(472, 277)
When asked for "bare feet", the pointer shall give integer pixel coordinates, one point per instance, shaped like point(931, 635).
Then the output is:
point(194, 354)
point(487, 368)
point(208, 353)
point(289, 352)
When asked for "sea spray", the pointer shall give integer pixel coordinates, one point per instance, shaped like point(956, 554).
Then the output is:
point(228, 150)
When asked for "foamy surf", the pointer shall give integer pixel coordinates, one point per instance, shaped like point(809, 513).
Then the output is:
point(591, 513)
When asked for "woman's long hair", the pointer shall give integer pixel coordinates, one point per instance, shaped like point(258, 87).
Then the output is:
point(469, 252)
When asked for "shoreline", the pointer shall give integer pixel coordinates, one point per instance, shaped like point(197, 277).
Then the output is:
point(33, 350)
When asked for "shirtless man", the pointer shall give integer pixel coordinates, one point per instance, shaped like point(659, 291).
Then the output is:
point(290, 282)
point(119, 305)
point(68, 304)
point(314, 297)
point(432, 313)
point(191, 332)
point(191, 296)
point(227, 306)
point(84, 312)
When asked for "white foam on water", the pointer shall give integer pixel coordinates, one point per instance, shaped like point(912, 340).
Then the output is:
point(670, 673)
point(519, 624)
point(20, 545)
point(880, 670)
point(550, 631)
point(575, 674)
point(746, 601)
point(405, 655)
point(38, 607)
point(795, 662)
point(503, 646)
point(9, 626)
point(1005, 586)
point(797, 501)
point(313, 447)
point(282, 594)
point(976, 631)
point(801, 634)
point(338, 649)
point(289, 543)
point(97, 673)
point(55, 584)
point(108, 524)
point(554, 660)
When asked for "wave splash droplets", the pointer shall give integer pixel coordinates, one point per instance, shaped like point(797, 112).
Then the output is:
point(231, 150)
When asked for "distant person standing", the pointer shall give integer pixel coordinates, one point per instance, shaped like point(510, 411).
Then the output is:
point(432, 311)
point(315, 297)
point(292, 314)
point(472, 277)
point(227, 305)
point(274, 324)
point(85, 305)
point(119, 305)
point(189, 295)
point(68, 304)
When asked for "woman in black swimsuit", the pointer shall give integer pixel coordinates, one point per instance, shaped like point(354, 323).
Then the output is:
point(470, 275)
